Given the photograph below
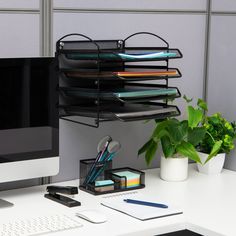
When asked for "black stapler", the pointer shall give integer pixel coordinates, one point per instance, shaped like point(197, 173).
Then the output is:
point(67, 190)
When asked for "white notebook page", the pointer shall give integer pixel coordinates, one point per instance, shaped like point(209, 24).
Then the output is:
point(140, 212)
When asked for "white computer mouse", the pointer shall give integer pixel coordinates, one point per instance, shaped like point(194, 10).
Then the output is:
point(92, 216)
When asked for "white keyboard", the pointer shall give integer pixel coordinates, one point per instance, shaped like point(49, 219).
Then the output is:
point(38, 225)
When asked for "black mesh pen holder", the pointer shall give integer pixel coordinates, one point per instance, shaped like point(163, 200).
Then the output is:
point(90, 172)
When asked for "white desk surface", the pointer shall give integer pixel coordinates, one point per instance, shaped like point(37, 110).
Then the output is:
point(208, 202)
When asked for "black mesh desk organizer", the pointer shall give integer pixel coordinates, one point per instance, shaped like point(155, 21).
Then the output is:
point(120, 182)
point(105, 80)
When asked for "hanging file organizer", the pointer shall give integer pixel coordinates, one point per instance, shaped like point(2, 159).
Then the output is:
point(98, 79)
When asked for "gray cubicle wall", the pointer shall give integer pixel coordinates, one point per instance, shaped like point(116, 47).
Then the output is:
point(19, 25)
point(222, 78)
point(181, 23)
point(24, 32)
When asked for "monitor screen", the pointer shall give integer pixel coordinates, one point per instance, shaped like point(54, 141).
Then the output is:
point(29, 123)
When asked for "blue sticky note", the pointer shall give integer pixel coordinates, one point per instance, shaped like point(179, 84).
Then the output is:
point(103, 182)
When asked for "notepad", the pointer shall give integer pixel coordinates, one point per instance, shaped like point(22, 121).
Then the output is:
point(141, 212)
point(128, 179)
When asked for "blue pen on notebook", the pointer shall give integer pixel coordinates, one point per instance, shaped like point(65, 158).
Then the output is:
point(144, 203)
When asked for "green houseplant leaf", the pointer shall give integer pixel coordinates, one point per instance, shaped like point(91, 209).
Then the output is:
point(187, 149)
point(184, 129)
point(167, 147)
point(177, 131)
point(151, 151)
point(214, 150)
point(188, 100)
point(202, 104)
point(194, 117)
point(196, 135)
point(161, 128)
point(145, 147)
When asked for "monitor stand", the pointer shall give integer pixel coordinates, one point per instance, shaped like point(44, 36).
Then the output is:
point(4, 203)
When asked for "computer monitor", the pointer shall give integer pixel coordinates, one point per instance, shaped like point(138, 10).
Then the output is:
point(29, 121)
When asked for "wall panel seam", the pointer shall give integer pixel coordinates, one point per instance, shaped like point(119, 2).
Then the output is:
point(45, 28)
point(224, 13)
point(207, 51)
point(78, 10)
point(19, 11)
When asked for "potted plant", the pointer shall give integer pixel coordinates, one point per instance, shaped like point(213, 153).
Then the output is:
point(178, 140)
point(218, 141)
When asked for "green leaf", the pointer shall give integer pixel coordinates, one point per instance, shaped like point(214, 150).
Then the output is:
point(188, 100)
point(214, 120)
point(214, 151)
point(145, 147)
point(167, 148)
point(196, 135)
point(187, 149)
point(177, 131)
point(202, 104)
point(159, 130)
point(194, 117)
point(151, 151)
point(184, 128)
point(161, 134)
point(160, 126)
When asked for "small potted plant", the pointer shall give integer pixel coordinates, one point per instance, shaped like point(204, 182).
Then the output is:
point(178, 140)
point(218, 141)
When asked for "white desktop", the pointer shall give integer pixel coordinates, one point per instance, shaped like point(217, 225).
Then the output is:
point(208, 204)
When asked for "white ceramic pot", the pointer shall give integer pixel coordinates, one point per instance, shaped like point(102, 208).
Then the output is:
point(214, 166)
point(174, 169)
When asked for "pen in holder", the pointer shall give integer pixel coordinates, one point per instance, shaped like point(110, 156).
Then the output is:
point(91, 171)
point(101, 156)
point(105, 155)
